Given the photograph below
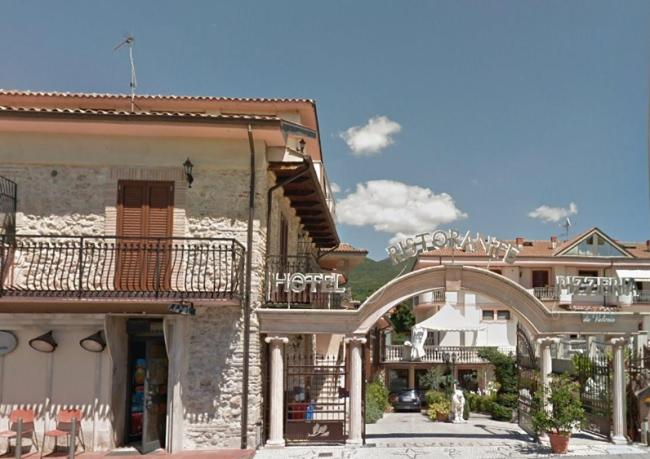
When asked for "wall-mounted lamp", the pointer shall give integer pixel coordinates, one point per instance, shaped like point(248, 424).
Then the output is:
point(183, 308)
point(301, 146)
point(94, 342)
point(43, 343)
point(187, 167)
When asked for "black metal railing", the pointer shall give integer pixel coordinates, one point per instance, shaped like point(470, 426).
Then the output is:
point(280, 295)
point(110, 266)
point(8, 195)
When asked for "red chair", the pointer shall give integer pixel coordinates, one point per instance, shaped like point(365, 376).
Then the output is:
point(27, 416)
point(64, 429)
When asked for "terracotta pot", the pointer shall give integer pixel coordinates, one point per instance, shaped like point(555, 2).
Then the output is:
point(559, 442)
point(442, 417)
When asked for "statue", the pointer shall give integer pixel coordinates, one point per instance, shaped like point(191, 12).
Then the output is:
point(418, 337)
point(458, 406)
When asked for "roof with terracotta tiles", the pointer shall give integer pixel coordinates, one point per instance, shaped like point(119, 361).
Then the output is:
point(347, 248)
point(98, 95)
point(544, 248)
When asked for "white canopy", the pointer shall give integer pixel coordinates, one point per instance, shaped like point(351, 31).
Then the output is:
point(642, 275)
point(448, 318)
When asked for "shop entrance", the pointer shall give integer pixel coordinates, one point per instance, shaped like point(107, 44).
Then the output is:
point(147, 386)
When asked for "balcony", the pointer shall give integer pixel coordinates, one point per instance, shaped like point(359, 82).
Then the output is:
point(437, 354)
point(642, 296)
point(546, 293)
point(310, 297)
point(120, 267)
point(433, 297)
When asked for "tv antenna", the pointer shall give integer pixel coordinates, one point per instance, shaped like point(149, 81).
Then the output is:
point(128, 41)
point(566, 225)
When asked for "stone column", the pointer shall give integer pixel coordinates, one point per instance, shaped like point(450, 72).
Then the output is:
point(356, 389)
point(545, 370)
point(618, 392)
point(276, 392)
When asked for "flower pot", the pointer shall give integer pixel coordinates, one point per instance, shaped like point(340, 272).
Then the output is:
point(559, 442)
point(441, 417)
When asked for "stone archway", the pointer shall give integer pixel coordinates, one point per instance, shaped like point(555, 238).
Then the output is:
point(533, 313)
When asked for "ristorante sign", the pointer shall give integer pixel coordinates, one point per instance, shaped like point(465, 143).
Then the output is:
point(452, 239)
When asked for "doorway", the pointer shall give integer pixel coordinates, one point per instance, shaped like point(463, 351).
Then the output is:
point(147, 386)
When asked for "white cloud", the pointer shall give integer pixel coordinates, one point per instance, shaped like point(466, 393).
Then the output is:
point(371, 138)
point(335, 187)
point(553, 214)
point(397, 208)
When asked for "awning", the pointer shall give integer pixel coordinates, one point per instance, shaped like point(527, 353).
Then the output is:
point(642, 275)
point(448, 318)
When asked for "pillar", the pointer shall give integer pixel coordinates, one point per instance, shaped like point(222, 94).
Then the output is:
point(545, 370)
point(276, 392)
point(618, 392)
point(356, 389)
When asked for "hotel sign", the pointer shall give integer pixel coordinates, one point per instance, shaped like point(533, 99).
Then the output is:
point(452, 239)
point(315, 282)
point(8, 342)
point(588, 285)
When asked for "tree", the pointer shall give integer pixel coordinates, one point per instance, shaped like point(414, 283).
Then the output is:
point(402, 318)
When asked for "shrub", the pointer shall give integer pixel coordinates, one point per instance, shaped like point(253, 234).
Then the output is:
point(373, 411)
point(480, 403)
point(500, 412)
point(567, 411)
point(379, 392)
point(439, 405)
point(508, 399)
point(434, 379)
point(466, 410)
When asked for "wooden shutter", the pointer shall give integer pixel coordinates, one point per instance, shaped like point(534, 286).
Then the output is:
point(144, 211)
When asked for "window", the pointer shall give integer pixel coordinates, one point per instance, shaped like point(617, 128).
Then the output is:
point(496, 271)
point(503, 315)
point(588, 273)
point(595, 246)
point(488, 314)
point(540, 279)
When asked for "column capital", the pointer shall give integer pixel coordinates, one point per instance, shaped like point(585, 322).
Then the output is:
point(356, 339)
point(276, 339)
point(618, 341)
point(546, 341)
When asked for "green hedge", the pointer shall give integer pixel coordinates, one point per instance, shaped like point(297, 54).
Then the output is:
point(376, 401)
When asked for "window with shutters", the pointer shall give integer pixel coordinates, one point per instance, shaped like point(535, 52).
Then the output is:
point(144, 230)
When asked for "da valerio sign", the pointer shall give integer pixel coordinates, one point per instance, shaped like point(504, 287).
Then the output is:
point(8, 342)
point(451, 239)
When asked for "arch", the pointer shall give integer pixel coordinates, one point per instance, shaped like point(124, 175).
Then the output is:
point(532, 312)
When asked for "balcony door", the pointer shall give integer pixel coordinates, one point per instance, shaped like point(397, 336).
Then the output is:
point(540, 279)
point(144, 228)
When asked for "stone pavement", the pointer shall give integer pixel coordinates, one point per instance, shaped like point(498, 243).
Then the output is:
point(413, 436)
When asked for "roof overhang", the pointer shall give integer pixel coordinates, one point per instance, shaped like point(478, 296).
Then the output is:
point(307, 198)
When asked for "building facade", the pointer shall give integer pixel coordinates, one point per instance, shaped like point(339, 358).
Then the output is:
point(157, 222)
point(544, 268)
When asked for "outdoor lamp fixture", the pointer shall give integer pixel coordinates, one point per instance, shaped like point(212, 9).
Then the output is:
point(301, 146)
point(94, 342)
point(43, 343)
point(183, 308)
point(187, 167)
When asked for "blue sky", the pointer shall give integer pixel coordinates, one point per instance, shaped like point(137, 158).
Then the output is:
point(505, 106)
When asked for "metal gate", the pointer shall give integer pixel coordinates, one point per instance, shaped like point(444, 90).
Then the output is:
point(593, 374)
point(316, 400)
point(638, 390)
point(527, 379)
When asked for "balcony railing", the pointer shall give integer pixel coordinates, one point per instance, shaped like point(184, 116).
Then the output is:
point(546, 293)
point(439, 354)
point(435, 296)
point(281, 296)
point(642, 296)
point(125, 267)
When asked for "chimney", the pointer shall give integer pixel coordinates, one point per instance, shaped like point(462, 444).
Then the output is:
point(553, 242)
point(520, 242)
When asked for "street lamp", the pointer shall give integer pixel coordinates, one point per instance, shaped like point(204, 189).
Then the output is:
point(451, 358)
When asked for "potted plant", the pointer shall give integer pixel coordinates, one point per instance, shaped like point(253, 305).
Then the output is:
point(562, 412)
point(439, 406)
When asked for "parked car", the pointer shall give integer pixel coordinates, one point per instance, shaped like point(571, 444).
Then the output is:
point(407, 399)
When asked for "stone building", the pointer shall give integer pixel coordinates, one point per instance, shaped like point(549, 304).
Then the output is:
point(134, 219)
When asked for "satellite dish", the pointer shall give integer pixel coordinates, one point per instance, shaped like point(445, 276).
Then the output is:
point(129, 41)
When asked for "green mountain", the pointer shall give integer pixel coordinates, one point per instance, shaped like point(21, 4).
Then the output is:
point(370, 275)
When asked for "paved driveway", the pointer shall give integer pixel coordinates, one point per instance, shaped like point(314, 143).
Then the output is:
point(413, 436)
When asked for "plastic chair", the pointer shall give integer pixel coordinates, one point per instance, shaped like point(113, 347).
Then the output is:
point(27, 416)
point(63, 428)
